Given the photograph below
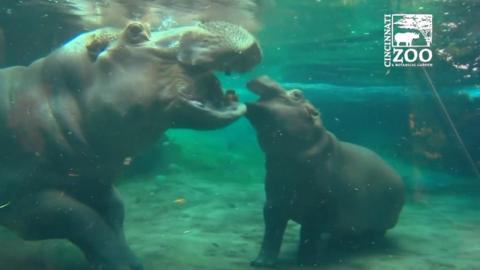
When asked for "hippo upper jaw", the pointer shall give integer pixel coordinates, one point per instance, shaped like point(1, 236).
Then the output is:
point(200, 51)
point(174, 69)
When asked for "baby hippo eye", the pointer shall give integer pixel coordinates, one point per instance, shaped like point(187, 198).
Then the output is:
point(297, 95)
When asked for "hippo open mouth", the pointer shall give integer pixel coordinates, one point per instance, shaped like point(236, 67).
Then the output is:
point(210, 106)
point(216, 108)
point(220, 47)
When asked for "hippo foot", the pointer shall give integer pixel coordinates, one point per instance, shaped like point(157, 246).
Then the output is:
point(307, 260)
point(128, 262)
point(117, 266)
point(307, 256)
point(264, 262)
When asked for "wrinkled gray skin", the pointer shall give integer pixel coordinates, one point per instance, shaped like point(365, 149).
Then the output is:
point(69, 120)
point(324, 184)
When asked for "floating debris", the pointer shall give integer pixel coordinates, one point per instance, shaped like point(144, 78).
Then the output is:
point(127, 161)
point(4, 205)
point(72, 173)
point(180, 201)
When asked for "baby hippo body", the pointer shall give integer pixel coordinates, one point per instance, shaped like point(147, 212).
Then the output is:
point(324, 184)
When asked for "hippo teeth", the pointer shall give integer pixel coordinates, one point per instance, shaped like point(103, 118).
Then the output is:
point(197, 103)
point(186, 95)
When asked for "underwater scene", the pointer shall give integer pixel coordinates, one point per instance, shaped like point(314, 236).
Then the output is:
point(239, 134)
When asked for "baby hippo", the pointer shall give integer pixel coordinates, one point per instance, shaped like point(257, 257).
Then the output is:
point(324, 184)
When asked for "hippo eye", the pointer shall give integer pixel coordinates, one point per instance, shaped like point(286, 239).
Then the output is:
point(297, 95)
point(137, 33)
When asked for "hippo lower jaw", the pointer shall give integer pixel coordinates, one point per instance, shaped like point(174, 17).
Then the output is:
point(205, 115)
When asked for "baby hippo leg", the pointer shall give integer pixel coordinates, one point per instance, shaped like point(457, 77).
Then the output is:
point(309, 243)
point(275, 220)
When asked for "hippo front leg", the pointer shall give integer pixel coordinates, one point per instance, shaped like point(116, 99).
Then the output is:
point(275, 220)
point(109, 206)
point(54, 214)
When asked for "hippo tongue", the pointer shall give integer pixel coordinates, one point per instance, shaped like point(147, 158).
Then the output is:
point(208, 90)
point(209, 93)
point(265, 87)
point(231, 97)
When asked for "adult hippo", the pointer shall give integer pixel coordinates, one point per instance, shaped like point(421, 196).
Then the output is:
point(324, 184)
point(69, 120)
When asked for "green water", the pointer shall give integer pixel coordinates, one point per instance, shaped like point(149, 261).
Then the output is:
point(194, 199)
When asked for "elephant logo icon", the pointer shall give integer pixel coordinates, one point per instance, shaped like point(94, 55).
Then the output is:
point(412, 30)
point(406, 38)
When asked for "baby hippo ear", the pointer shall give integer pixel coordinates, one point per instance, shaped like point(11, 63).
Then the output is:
point(219, 45)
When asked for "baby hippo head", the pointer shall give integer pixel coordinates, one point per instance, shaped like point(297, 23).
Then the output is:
point(286, 123)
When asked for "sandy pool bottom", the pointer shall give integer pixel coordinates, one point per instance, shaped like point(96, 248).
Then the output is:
point(190, 222)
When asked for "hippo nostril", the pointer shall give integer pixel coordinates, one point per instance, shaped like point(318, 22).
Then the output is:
point(312, 112)
point(135, 28)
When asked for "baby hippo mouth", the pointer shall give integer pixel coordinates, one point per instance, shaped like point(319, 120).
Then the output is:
point(266, 89)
